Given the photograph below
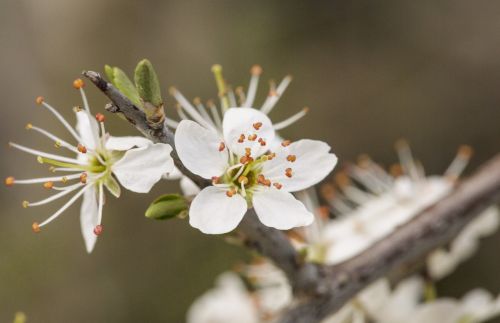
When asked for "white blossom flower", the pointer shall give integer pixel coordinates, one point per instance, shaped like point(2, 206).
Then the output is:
point(228, 302)
point(245, 173)
point(101, 161)
point(210, 115)
point(370, 204)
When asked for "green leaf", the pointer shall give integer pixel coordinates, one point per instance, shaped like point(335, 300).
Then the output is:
point(121, 81)
point(147, 83)
point(167, 206)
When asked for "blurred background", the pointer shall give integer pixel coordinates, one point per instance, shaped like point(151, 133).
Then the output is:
point(371, 72)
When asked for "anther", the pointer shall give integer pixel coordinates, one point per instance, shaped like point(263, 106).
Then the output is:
point(286, 143)
point(248, 152)
point(270, 156)
point(342, 179)
point(243, 180)
point(246, 159)
point(77, 109)
point(261, 179)
point(39, 159)
point(291, 158)
point(78, 84)
point(257, 125)
point(64, 179)
point(465, 151)
point(35, 227)
point(83, 178)
point(48, 185)
point(57, 144)
point(28, 126)
point(323, 212)
point(81, 148)
point(262, 141)
point(256, 70)
point(98, 229)
point(252, 137)
point(39, 99)
point(25, 204)
point(396, 170)
point(100, 117)
point(222, 146)
point(242, 138)
point(277, 185)
point(288, 172)
point(215, 180)
point(231, 192)
point(9, 181)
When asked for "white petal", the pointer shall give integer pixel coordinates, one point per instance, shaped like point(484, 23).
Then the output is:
point(238, 121)
point(198, 149)
point(213, 212)
point(140, 168)
point(126, 143)
point(173, 175)
point(313, 163)
point(87, 128)
point(442, 310)
point(89, 218)
point(280, 209)
point(188, 187)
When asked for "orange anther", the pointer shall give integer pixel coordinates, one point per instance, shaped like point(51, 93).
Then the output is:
point(252, 137)
point(288, 172)
point(243, 179)
point(39, 99)
point(222, 146)
point(257, 125)
point(78, 84)
point(256, 70)
point(35, 227)
point(262, 142)
point(291, 158)
point(98, 229)
point(267, 182)
point(277, 185)
point(81, 148)
point(48, 185)
point(242, 138)
point(83, 178)
point(286, 143)
point(248, 152)
point(9, 181)
point(215, 179)
point(246, 159)
point(100, 117)
point(230, 193)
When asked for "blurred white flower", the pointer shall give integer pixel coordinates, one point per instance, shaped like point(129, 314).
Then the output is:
point(135, 162)
point(245, 173)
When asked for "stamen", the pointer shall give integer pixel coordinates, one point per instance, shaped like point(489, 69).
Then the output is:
point(100, 117)
point(215, 180)
point(98, 230)
point(47, 155)
point(221, 85)
point(215, 113)
point(273, 99)
point(186, 105)
point(262, 141)
point(35, 227)
point(458, 164)
point(248, 151)
point(65, 206)
point(42, 180)
point(53, 197)
point(256, 70)
point(406, 158)
point(243, 180)
point(246, 160)
point(257, 125)
point(241, 95)
point(81, 148)
point(78, 84)
point(48, 185)
point(231, 192)
point(83, 178)
point(171, 123)
point(286, 143)
point(288, 172)
point(58, 142)
point(291, 158)
point(231, 97)
point(291, 120)
point(60, 118)
point(252, 137)
point(222, 146)
point(39, 100)
point(241, 139)
point(9, 181)
point(203, 111)
point(278, 185)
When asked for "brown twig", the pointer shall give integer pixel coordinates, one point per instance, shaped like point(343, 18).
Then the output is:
point(325, 289)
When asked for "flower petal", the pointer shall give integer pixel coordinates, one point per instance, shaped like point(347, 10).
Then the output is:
point(280, 209)
point(313, 162)
point(89, 218)
point(87, 128)
point(140, 168)
point(198, 149)
point(126, 143)
point(213, 212)
point(241, 121)
point(188, 187)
